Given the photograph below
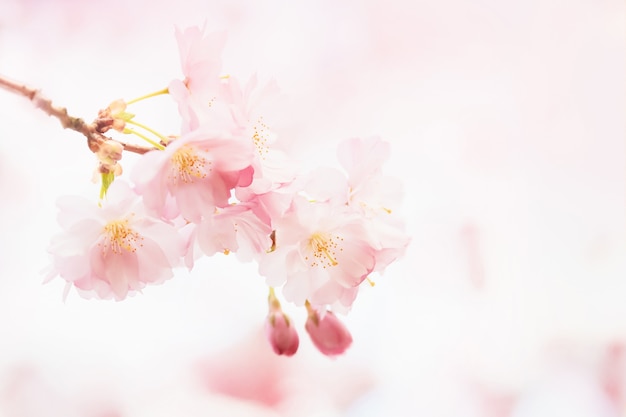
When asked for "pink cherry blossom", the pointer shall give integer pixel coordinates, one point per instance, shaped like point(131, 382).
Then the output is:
point(201, 61)
point(245, 103)
point(321, 255)
point(375, 195)
point(194, 174)
point(226, 184)
point(112, 250)
point(327, 246)
point(367, 192)
point(268, 204)
point(329, 335)
point(363, 186)
point(252, 111)
point(234, 228)
point(362, 158)
point(200, 57)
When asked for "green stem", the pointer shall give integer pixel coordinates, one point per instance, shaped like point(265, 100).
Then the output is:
point(147, 139)
point(154, 132)
point(156, 93)
point(311, 312)
point(272, 300)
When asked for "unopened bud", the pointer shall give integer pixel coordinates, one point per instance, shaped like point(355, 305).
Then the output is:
point(328, 334)
point(110, 152)
point(116, 107)
point(113, 117)
point(118, 125)
point(281, 333)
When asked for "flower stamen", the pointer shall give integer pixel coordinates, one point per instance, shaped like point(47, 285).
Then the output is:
point(188, 165)
point(324, 249)
point(260, 137)
point(120, 236)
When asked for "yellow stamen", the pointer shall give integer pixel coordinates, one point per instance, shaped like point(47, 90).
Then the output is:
point(188, 165)
point(260, 137)
point(120, 236)
point(372, 283)
point(324, 248)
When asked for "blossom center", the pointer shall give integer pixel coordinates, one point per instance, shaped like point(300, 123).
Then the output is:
point(324, 248)
point(119, 236)
point(187, 165)
point(260, 136)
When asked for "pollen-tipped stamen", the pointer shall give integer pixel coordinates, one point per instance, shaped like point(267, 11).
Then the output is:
point(120, 236)
point(321, 246)
point(188, 164)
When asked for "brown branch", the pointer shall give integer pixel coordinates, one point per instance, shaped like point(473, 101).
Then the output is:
point(94, 138)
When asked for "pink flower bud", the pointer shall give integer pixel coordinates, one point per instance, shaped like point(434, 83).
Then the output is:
point(328, 334)
point(281, 333)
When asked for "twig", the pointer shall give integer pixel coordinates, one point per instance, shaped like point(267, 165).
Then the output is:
point(94, 138)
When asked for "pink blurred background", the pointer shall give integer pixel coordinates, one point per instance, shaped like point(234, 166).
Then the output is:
point(507, 127)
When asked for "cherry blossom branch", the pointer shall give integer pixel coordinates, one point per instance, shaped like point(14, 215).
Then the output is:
point(94, 138)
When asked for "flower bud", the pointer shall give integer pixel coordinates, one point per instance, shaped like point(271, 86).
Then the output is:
point(281, 333)
point(114, 116)
point(328, 334)
point(116, 107)
point(110, 152)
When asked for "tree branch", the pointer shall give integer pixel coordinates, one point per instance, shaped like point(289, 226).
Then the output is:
point(94, 138)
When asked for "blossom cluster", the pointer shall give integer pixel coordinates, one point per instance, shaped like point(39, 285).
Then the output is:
point(221, 186)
